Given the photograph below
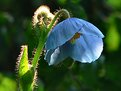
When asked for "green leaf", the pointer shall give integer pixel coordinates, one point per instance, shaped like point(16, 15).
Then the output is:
point(27, 81)
point(26, 74)
point(23, 65)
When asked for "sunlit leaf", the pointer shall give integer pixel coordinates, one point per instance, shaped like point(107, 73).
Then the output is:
point(23, 65)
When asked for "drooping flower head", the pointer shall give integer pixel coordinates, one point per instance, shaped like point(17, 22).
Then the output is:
point(75, 38)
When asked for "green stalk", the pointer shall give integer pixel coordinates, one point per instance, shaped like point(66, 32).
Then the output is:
point(60, 12)
point(44, 36)
point(38, 52)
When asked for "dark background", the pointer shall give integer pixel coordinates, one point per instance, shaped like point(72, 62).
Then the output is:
point(16, 30)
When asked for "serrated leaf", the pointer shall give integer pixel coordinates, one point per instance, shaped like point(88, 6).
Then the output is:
point(25, 73)
point(23, 61)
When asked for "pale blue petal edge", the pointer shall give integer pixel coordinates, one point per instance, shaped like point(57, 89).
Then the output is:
point(95, 44)
point(57, 55)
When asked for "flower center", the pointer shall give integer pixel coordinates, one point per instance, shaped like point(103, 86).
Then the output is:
point(76, 36)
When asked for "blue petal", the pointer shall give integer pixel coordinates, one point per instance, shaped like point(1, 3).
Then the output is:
point(57, 55)
point(66, 29)
point(90, 29)
point(62, 32)
point(87, 49)
point(80, 51)
point(48, 55)
point(95, 45)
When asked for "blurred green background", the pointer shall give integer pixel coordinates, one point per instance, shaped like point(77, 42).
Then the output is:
point(16, 30)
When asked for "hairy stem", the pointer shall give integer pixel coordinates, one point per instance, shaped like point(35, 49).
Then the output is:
point(38, 52)
point(44, 36)
point(60, 12)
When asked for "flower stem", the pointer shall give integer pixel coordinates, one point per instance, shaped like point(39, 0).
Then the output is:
point(38, 52)
point(44, 36)
point(60, 12)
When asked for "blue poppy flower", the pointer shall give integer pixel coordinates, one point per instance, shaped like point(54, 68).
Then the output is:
point(75, 38)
